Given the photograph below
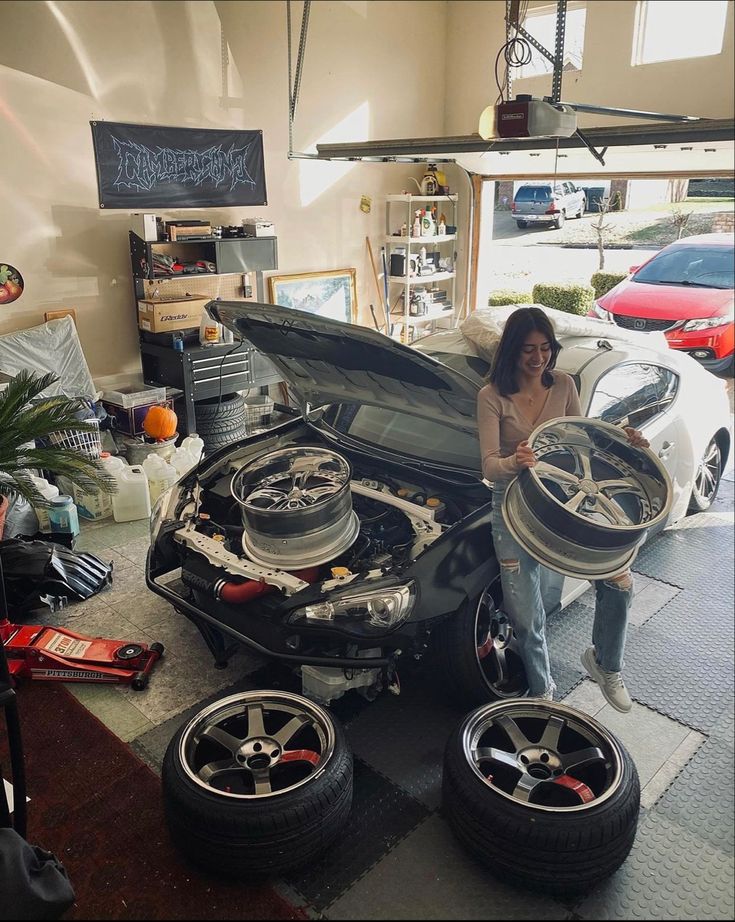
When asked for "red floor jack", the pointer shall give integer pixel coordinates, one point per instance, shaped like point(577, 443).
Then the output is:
point(55, 654)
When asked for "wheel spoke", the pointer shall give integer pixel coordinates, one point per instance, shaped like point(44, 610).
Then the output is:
point(256, 727)
point(582, 464)
point(271, 494)
point(551, 472)
point(552, 732)
point(290, 729)
point(491, 754)
point(262, 780)
point(576, 501)
point(514, 732)
point(212, 769)
point(218, 735)
point(572, 760)
point(611, 510)
point(525, 787)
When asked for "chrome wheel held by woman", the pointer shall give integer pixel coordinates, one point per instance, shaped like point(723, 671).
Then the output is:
point(586, 506)
point(257, 783)
point(541, 793)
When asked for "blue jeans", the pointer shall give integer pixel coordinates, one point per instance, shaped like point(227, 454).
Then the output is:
point(520, 576)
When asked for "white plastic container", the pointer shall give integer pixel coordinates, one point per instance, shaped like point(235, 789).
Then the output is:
point(193, 444)
point(94, 505)
point(161, 475)
point(132, 500)
point(49, 491)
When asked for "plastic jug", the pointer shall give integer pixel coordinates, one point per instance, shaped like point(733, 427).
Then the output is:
point(161, 475)
point(132, 500)
point(49, 491)
point(194, 445)
point(95, 504)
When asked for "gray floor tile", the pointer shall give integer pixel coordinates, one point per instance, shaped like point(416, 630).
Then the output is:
point(430, 876)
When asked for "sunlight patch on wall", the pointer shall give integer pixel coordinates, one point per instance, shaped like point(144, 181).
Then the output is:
point(74, 41)
point(316, 176)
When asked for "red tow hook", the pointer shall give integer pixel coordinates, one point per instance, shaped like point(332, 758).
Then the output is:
point(240, 593)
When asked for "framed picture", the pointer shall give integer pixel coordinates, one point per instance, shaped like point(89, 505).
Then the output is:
point(332, 293)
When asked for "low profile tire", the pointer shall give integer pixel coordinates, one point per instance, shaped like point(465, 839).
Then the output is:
point(559, 221)
point(257, 784)
point(220, 423)
point(522, 224)
point(541, 794)
point(707, 479)
point(479, 653)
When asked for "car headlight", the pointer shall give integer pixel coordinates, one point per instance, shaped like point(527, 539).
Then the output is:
point(706, 323)
point(369, 611)
point(600, 312)
point(163, 509)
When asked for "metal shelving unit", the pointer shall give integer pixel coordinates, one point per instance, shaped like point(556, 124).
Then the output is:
point(411, 309)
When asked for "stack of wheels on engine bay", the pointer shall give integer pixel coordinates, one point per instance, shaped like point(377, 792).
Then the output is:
point(257, 784)
point(541, 794)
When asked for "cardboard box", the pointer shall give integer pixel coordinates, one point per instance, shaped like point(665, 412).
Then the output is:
point(129, 420)
point(165, 316)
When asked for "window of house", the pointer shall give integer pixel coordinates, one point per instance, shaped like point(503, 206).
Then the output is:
point(541, 24)
point(671, 30)
point(633, 393)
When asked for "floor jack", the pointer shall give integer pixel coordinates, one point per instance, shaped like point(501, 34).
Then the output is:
point(55, 654)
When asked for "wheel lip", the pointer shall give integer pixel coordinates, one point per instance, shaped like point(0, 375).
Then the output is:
point(477, 722)
point(318, 713)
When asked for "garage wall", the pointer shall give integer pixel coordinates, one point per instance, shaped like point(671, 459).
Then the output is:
point(372, 70)
point(476, 31)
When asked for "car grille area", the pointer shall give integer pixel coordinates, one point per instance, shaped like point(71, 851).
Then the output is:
point(644, 324)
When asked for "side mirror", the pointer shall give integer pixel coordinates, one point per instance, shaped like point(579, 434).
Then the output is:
point(633, 269)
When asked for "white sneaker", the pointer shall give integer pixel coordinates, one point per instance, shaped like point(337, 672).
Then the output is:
point(611, 683)
point(547, 695)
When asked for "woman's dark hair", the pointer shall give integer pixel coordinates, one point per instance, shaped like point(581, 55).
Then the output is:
point(525, 320)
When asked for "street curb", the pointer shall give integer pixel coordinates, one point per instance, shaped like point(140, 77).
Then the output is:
point(593, 246)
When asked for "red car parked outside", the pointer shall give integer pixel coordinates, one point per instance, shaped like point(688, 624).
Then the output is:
point(686, 291)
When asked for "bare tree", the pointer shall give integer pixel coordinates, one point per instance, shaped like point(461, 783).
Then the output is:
point(679, 219)
point(605, 205)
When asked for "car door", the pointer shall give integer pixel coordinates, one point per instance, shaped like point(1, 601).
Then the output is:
point(643, 395)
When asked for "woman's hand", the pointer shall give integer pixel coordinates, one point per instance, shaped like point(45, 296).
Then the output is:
point(636, 437)
point(524, 457)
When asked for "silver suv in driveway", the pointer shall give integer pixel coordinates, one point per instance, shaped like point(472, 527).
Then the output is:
point(548, 203)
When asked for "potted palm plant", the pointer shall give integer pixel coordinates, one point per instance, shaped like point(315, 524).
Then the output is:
point(30, 424)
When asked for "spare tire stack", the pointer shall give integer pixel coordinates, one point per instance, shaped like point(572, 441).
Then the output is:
point(220, 422)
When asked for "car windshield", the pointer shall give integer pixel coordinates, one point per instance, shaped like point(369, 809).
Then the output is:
point(401, 433)
point(701, 267)
point(533, 194)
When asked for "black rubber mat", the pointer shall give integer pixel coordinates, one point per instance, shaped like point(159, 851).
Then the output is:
point(683, 556)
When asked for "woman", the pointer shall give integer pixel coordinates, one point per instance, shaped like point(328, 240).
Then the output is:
point(524, 391)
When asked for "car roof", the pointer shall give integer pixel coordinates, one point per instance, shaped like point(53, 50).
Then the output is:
point(723, 240)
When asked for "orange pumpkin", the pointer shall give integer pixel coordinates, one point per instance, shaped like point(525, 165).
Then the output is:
point(160, 423)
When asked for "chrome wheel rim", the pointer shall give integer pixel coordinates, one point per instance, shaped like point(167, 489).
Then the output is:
point(708, 474)
point(588, 503)
point(256, 745)
point(296, 507)
point(547, 757)
point(497, 650)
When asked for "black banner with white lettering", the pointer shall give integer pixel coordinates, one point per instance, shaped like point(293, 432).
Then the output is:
point(152, 166)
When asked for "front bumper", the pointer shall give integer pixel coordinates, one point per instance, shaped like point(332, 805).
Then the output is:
point(713, 348)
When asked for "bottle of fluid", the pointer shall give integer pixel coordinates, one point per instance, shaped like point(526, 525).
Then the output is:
point(210, 332)
point(417, 224)
point(161, 475)
point(132, 500)
point(428, 225)
point(63, 515)
point(49, 491)
point(94, 504)
point(194, 445)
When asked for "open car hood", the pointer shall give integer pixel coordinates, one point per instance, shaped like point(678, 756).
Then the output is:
point(328, 361)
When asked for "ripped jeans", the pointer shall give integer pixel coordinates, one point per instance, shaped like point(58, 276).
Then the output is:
point(520, 576)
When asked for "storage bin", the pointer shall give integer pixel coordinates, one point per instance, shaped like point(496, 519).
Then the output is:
point(258, 411)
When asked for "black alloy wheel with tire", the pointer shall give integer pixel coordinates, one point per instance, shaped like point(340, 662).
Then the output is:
point(707, 479)
point(257, 784)
point(542, 794)
point(480, 654)
point(559, 220)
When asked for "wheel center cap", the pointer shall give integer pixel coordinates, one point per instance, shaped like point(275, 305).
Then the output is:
point(258, 752)
point(588, 486)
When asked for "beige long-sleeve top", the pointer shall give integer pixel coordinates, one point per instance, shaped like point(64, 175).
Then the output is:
point(503, 423)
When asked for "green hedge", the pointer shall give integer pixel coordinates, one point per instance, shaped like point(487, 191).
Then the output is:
point(505, 296)
point(574, 299)
point(602, 282)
